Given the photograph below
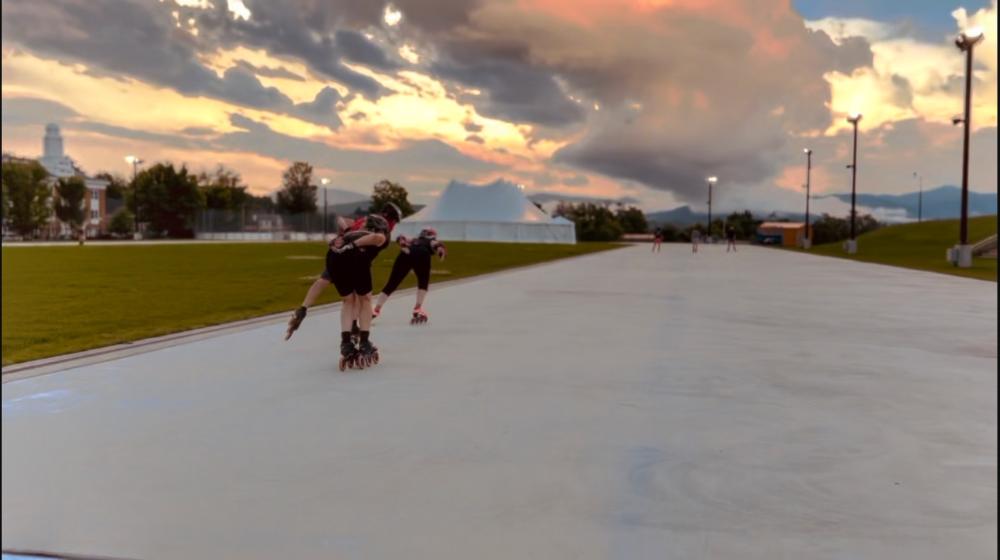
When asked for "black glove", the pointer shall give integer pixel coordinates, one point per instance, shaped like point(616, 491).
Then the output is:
point(343, 248)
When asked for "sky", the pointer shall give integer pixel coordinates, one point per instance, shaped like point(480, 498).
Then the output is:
point(622, 99)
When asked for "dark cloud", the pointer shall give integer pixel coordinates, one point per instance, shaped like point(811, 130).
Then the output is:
point(267, 72)
point(322, 109)
point(512, 89)
point(22, 111)
point(421, 158)
point(243, 88)
point(475, 138)
point(472, 127)
point(355, 47)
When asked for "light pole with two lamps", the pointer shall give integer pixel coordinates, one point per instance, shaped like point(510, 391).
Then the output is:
point(135, 161)
point(962, 255)
point(852, 243)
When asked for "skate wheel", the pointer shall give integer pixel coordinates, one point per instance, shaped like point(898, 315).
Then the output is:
point(343, 364)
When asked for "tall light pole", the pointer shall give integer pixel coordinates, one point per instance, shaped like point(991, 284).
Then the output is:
point(325, 182)
point(920, 196)
point(711, 183)
point(135, 161)
point(807, 242)
point(852, 243)
point(965, 43)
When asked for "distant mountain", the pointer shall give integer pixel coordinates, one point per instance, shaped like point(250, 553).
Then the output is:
point(939, 203)
point(684, 216)
point(546, 197)
point(340, 196)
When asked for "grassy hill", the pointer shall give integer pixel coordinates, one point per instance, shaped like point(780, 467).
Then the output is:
point(921, 246)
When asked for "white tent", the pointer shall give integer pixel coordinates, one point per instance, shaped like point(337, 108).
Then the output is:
point(498, 211)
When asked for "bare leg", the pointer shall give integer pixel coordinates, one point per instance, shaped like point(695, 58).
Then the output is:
point(364, 307)
point(347, 312)
point(421, 294)
point(382, 298)
point(315, 291)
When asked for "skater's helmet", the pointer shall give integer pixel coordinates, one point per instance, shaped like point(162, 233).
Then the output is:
point(428, 233)
point(392, 212)
point(377, 224)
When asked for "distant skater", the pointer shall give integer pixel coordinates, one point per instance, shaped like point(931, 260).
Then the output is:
point(730, 239)
point(657, 239)
point(695, 240)
point(415, 255)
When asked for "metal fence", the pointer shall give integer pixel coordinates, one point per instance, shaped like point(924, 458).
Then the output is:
point(262, 225)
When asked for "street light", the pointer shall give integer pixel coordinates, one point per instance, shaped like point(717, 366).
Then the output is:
point(325, 182)
point(807, 242)
point(965, 43)
point(920, 196)
point(711, 183)
point(135, 161)
point(852, 243)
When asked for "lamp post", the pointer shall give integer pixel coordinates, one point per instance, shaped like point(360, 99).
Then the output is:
point(135, 161)
point(807, 242)
point(325, 182)
point(711, 183)
point(852, 243)
point(965, 43)
point(920, 196)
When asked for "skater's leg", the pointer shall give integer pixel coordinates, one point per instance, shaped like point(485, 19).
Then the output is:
point(315, 291)
point(421, 294)
point(364, 309)
point(347, 312)
point(400, 268)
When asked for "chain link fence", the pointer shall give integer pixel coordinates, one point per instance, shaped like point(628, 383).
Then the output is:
point(262, 225)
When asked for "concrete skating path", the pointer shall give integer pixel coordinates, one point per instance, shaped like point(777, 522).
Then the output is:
point(764, 404)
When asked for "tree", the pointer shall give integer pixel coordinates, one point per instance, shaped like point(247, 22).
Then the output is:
point(632, 220)
point(669, 232)
point(223, 190)
point(744, 223)
point(384, 192)
point(121, 223)
point(297, 194)
point(168, 199)
point(117, 186)
point(828, 229)
point(593, 222)
point(27, 196)
point(72, 193)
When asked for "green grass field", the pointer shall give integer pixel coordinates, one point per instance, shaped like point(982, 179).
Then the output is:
point(921, 246)
point(58, 300)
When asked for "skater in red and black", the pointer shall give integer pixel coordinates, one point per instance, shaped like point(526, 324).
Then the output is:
point(348, 267)
point(730, 239)
point(657, 239)
point(415, 255)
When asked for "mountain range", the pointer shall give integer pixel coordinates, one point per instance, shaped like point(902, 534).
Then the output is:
point(939, 203)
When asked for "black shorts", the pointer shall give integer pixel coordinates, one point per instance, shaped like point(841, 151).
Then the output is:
point(350, 273)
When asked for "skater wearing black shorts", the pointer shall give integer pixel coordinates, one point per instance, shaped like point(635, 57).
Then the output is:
point(415, 255)
point(657, 239)
point(348, 267)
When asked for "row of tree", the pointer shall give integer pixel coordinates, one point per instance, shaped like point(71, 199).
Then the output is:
point(166, 198)
point(598, 222)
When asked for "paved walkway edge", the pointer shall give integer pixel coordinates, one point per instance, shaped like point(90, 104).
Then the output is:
point(52, 364)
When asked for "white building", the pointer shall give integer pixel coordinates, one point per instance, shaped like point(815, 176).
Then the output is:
point(61, 166)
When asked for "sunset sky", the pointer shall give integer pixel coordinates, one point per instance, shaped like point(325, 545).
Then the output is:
point(640, 99)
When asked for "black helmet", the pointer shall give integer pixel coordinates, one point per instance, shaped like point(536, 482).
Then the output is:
point(377, 224)
point(392, 212)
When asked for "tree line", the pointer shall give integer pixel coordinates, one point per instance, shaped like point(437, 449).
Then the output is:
point(601, 222)
point(167, 198)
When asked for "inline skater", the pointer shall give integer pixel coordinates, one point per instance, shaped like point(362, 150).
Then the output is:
point(657, 239)
point(391, 214)
point(415, 255)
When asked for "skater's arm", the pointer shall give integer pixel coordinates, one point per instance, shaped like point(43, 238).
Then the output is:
point(440, 250)
point(367, 240)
